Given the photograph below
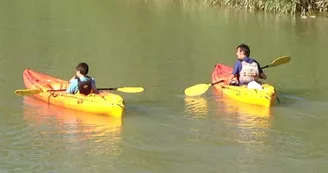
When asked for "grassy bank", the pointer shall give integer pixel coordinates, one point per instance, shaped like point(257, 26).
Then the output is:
point(306, 7)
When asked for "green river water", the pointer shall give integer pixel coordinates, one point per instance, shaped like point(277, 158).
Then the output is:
point(164, 47)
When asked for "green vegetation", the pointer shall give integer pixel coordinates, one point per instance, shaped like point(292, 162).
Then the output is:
point(306, 7)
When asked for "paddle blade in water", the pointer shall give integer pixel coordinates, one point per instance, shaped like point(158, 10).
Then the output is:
point(131, 89)
point(279, 61)
point(27, 92)
point(197, 89)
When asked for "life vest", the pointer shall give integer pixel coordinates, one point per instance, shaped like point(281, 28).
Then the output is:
point(249, 72)
point(84, 86)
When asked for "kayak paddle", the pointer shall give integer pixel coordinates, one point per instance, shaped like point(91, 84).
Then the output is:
point(27, 92)
point(278, 61)
point(199, 89)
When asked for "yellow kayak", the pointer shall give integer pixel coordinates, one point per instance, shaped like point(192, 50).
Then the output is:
point(103, 103)
point(265, 97)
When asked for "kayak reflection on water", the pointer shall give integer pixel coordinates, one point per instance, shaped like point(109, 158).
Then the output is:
point(197, 106)
point(249, 123)
point(74, 126)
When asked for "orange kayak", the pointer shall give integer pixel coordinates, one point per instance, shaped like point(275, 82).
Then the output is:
point(265, 97)
point(103, 103)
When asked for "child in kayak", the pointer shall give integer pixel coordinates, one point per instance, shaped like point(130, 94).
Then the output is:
point(246, 70)
point(81, 82)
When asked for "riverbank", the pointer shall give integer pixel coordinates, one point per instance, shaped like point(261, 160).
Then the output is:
point(306, 8)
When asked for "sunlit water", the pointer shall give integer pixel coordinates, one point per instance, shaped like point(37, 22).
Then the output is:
point(164, 47)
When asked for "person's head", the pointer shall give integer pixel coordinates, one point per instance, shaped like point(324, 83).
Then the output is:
point(82, 69)
point(243, 51)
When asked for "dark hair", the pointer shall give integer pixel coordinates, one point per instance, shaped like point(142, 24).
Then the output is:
point(83, 68)
point(245, 49)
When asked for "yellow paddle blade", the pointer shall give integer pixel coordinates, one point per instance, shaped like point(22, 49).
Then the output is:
point(131, 89)
point(197, 89)
point(27, 92)
point(279, 61)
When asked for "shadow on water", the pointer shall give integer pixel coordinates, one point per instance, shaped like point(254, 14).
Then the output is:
point(286, 99)
point(289, 97)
